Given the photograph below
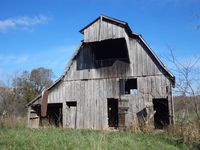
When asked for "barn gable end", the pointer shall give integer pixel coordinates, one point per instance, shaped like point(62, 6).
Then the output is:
point(114, 79)
point(104, 28)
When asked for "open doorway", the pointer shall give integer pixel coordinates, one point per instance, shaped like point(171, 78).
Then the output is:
point(54, 114)
point(161, 117)
point(113, 119)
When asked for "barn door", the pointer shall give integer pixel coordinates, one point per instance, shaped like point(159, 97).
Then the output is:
point(113, 120)
point(71, 114)
point(161, 117)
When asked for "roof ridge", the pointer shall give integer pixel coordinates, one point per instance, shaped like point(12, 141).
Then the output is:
point(123, 23)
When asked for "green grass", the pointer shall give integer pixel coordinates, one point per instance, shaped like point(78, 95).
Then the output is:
point(54, 138)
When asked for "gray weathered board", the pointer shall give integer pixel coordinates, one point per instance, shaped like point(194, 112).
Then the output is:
point(91, 88)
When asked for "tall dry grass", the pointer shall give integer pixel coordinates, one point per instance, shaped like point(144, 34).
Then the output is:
point(186, 131)
point(13, 122)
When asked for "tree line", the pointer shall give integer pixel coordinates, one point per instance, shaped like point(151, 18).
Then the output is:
point(24, 87)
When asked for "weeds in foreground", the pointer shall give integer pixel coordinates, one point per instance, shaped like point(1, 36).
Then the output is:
point(12, 122)
point(56, 138)
point(183, 132)
point(187, 132)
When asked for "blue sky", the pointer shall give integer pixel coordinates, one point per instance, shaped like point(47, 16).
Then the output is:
point(44, 33)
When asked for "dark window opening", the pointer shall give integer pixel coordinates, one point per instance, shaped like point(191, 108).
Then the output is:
point(71, 104)
point(36, 109)
point(167, 89)
point(102, 53)
point(113, 120)
point(110, 49)
point(128, 86)
point(161, 117)
point(54, 114)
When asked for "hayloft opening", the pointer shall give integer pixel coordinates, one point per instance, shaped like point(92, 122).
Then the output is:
point(108, 51)
point(54, 114)
point(113, 119)
point(111, 49)
point(161, 117)
point(102, 53)
point(128, 86)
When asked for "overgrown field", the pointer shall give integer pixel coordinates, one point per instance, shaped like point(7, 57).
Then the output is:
point(54, 138)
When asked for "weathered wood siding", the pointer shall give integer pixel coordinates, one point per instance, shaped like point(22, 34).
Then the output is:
point(91, 97)
point(141, 64)
point(33, 118)
point(90, 88)
point(149, 87)
point(102, 30)
point(56, 94)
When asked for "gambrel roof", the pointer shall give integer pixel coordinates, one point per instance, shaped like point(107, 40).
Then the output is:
point(112, 20)
point(130, 34)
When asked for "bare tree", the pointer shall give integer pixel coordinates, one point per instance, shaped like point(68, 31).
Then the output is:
point(187, 80)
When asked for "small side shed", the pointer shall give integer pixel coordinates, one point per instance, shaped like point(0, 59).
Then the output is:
point(114, 80)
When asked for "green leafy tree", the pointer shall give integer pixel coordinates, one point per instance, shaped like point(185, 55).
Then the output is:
point(29, 85)
point(41, 78)
point(25, 87)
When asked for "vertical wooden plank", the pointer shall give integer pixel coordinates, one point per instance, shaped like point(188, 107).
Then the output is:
point(96, 104)
point(136, 60)
point(109, 30)
point(114, 31)
point(89, 103)
point(83, 104)
point(144, 61)
point(103, 30)
point(87, 110)
point(78, 99)
point(105, 116)
point(100, 104)
point(86, 105)
point(94, 32)
point(92, 104)
point(64, 114)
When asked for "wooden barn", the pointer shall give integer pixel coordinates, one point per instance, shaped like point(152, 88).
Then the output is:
point(114, 80)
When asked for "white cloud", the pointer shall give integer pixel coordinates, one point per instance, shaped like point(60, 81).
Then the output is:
point(23, 22)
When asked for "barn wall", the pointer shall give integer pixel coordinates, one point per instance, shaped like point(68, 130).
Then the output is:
point(141, 63)
point(102, 30)
point(91, 87)
point(91, 97)
point(55, 95)
point(149, 87)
